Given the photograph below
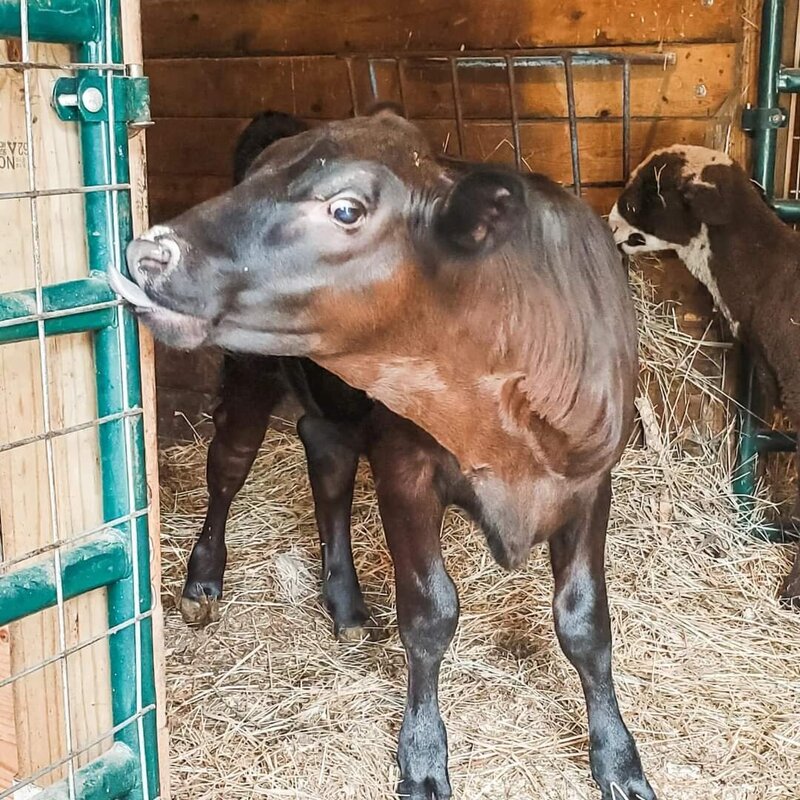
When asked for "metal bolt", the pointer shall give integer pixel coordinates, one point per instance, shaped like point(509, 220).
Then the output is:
point(92, 99)
point(708, 3)
point(776, 117)
point(701, 90)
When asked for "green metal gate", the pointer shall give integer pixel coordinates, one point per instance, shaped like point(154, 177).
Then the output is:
point(103, 97)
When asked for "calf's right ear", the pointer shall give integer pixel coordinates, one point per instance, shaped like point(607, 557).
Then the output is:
point(481, 211)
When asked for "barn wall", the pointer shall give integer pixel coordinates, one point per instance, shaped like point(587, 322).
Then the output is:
point(214, 63)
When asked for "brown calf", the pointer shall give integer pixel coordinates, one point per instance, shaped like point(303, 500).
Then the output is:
point(488, 308)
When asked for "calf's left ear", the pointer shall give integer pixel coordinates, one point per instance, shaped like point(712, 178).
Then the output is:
point(481, 211)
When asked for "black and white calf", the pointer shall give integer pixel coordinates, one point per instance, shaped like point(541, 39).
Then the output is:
point(701, 204)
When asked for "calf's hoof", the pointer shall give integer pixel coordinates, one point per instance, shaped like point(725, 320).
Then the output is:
point(617, 769)
point(199, 605)
point(638, 790)
point(432, 788)
point(353, 633)
point(352, 621)
point(422, 758)
point(790, 597)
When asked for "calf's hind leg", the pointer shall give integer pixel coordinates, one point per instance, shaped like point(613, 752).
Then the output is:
point(583, 628)
point(332, 452)
point(251, 387)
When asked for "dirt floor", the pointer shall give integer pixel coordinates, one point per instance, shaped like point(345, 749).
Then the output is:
point(265, 703)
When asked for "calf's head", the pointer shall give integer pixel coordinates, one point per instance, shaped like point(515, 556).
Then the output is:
point(672, 194)
point(323, 242)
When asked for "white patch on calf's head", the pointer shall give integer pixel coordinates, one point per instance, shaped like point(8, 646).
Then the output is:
point(622, 231)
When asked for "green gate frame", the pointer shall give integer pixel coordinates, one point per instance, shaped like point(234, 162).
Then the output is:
point(763, 121)
point(117, 558)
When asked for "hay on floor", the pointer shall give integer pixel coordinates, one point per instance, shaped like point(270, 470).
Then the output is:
point(266, 704)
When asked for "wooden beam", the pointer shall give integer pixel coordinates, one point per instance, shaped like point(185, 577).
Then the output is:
point(261, 27)
point(180, 147)
point(132, 48)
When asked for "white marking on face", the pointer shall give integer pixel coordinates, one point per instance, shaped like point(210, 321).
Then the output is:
point(163, 236)
point(696, 255)
point(622, 231)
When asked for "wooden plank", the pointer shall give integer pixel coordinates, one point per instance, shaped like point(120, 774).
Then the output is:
point(132, 47)
point(259, 27)
point(181, 147)
point(696, 85)
point(24, 499)
point(9, 764)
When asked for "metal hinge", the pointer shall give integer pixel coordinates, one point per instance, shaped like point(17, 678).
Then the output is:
point(85, 99)
point(759, 119)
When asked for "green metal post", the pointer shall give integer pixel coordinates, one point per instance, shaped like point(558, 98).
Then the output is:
point(105, 161)
point(765, 137)
point(64, 21)
point(99, 561)
point(769, 65)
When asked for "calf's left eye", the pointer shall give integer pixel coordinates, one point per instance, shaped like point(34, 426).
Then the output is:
point(347, 212)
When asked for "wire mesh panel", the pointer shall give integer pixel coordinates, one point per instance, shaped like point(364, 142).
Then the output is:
point(518, 93)
point(76, 674)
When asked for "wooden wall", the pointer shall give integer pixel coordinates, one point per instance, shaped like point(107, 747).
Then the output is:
point(214, 63)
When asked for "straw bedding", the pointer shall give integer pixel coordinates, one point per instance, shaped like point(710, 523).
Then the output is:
point(266, 704)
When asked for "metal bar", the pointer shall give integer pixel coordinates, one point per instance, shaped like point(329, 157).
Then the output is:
point(457, 105)
point(63, 21)
point(56, 433)
point(99, 561)
point(764, 152)
point(787, 210)
point(109, 777)
point(352, 83)
point(626, 120)
point(769, 66)
point(771, 441)
point(530, 57)
point(401, 85)
point(745, 471)
point(82, 645)
point(512, 99)
point(104, 147)
point(65, 192)
point(70, 307)
point(789, 80)
point(779, 532)
point(573, 125)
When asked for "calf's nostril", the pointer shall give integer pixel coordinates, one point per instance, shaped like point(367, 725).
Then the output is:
point(635, 240)
point(148, 258)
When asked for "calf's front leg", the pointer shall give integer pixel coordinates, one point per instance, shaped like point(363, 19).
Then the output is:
point(580, 610)
point(427, 602)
